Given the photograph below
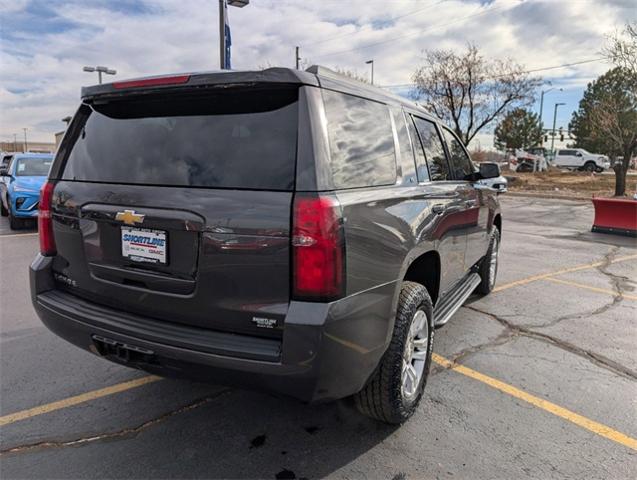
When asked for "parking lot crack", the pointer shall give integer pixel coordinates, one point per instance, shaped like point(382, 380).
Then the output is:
point(592, 357)
point(506, 336)
point(127, 432)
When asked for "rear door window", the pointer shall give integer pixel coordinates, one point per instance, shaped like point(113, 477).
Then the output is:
point(459, 160)
point(434, 149)
point(234, 139)
point(421, 161)
point(361, 141)
point(405, 146)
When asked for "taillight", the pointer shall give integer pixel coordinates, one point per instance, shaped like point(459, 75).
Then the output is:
point(45, 222)
point(317, 248)
point(152, 82)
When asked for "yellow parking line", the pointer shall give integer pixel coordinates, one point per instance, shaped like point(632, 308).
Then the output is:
point(76, 400)
point(592, 289)
point(544, 276)
point(545, 405)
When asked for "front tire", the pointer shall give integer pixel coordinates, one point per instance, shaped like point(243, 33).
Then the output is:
point(489, 265)
point(14, 223)
point(590, 167)
point(396, 387)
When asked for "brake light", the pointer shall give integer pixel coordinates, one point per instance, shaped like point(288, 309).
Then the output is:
point(317, 248)
point(45, 222)
point(152, 82)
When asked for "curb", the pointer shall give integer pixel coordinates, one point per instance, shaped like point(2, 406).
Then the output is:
point(576, 198)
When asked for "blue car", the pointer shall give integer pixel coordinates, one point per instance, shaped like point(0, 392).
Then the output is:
point(20, 183)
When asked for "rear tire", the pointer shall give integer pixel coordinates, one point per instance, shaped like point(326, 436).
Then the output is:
point(489, 265)
point(395, 389)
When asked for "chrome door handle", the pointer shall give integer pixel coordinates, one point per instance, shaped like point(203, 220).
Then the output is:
point(438, 208)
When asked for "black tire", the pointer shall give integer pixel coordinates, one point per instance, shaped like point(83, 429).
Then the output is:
point(382, 398)
point(599, 169)
point(590, 166)
point(3, 211)
point(15, 223)
point(487, 274)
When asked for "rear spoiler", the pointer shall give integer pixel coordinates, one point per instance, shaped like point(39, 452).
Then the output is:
point(200, 80)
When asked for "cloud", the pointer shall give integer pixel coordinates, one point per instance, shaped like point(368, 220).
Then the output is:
point(45, 44)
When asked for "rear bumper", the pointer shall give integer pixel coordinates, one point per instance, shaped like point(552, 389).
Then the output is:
point(328, 350)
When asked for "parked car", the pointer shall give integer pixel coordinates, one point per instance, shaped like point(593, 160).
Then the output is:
point(20, 186)
point(298, 232)
point(498, 183)
point(580, 159)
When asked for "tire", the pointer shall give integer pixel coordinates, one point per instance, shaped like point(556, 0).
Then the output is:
point(15, 223)
point(488, 273)
point(387, 397)
point(599, 169)
point(590, 167)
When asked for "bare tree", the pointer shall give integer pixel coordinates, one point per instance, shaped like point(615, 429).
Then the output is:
point(468, 91)
point(621, 48)
point(607, 115)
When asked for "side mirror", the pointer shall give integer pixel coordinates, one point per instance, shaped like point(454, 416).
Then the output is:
point(578, 154)
point(4, 171)
point(489, 170)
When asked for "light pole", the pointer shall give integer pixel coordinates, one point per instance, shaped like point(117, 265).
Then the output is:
point(371, 62)
point(26, 145)
point(15, 142)
point(542, 107)
point(554, 118)
point(224, 29)
point(99, 71)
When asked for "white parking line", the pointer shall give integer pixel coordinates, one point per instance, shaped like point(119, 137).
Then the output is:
point(17, 235)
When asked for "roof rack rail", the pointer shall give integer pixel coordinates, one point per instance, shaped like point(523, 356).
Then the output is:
point(326, 72)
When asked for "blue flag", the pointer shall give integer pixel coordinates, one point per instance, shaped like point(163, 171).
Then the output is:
point(227, 35)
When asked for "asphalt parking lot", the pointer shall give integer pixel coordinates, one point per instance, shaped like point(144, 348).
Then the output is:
point(538, 380)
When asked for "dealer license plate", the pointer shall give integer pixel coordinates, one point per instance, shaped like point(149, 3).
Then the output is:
point(144, 245)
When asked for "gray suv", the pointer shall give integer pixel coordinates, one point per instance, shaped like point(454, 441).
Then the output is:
point(292, 231)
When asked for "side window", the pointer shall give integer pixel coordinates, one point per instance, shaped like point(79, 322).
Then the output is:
point(404, 143)
point(434, 151)
point(361, 141)
point(459, 160)
point(421, 160)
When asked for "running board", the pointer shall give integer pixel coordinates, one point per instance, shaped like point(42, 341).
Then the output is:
point(454, 300)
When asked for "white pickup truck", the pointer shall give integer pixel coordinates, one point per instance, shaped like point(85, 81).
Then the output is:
point(580, 159)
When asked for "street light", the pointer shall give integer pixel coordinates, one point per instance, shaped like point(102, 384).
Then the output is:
point(26, 145)
point(542, 103)
point(554, 118)
point(371, 62)
point(100, 71)
point(223, 23)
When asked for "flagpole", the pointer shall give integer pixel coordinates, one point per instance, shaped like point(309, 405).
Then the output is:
point(222, 34)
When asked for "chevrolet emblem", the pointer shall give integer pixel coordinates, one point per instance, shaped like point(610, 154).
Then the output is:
point(129, 217)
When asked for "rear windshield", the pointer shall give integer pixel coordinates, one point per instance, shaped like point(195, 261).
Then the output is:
point(233, 139)
point(33, 167)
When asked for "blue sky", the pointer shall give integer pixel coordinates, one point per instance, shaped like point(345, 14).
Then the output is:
point(45, 44)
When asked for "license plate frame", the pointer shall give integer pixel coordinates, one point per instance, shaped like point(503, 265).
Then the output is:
point(144, 245)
